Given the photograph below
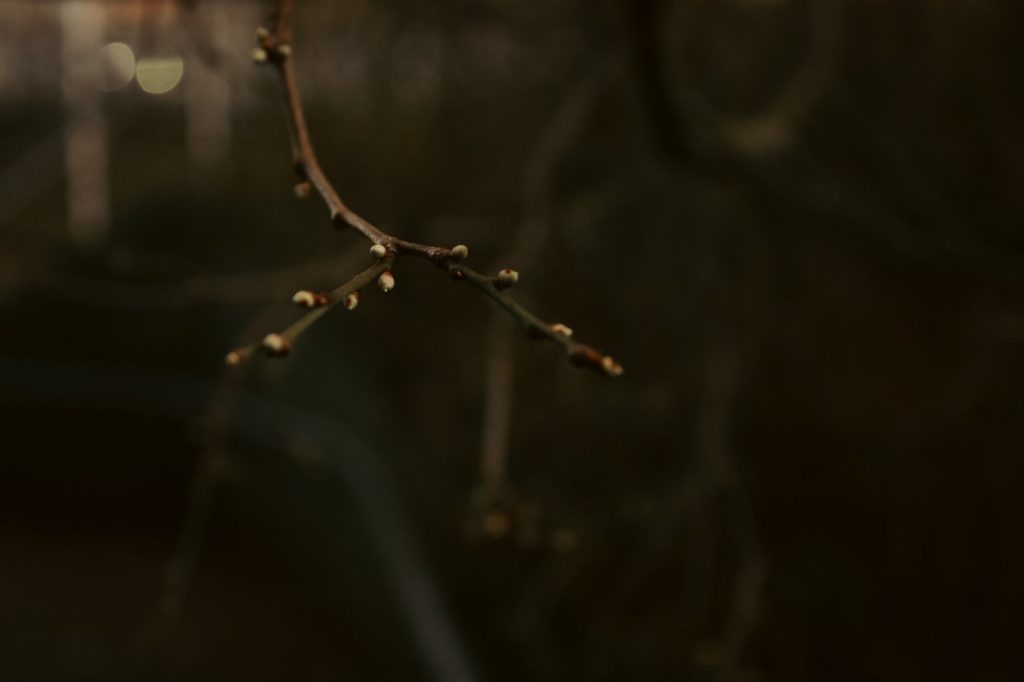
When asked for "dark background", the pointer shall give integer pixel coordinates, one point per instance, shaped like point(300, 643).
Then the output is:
point(796, 223)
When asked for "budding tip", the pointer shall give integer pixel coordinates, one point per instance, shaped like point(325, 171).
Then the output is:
point(386, 281)
point(378, 251)
point(610, 367)
point(351, 301)
point(460, 252)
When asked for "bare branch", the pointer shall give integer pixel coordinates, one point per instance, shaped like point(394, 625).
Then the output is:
point(275, 48)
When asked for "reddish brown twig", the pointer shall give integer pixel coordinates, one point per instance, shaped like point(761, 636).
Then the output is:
point(275, 48)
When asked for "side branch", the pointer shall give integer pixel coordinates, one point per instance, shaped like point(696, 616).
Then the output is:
point(579, 354)
point(279, 344)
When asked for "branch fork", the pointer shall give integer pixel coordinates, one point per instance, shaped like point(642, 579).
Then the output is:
point(274, 48)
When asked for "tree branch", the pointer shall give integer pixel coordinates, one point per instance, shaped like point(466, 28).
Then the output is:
point(275, 48)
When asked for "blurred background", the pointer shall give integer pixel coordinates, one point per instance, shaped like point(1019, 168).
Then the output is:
point(795, 222)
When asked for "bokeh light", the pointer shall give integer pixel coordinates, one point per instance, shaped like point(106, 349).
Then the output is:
point(157, 75)
point(117, 66)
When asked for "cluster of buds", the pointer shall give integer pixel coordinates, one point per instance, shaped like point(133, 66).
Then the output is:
point(262, 54)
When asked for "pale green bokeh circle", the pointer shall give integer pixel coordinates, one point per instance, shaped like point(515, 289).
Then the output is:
point(157, 75)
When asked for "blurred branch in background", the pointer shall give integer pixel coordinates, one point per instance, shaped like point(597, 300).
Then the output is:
point(495, 501)
point(85, 126)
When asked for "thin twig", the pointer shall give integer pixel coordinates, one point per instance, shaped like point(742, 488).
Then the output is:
point(275, 48)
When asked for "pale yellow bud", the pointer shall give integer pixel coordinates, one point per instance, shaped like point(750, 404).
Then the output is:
point(378, 251)
point(275, 344)
point(386, 282)
point(304, 298)
point(506, 278)
point(610, 367)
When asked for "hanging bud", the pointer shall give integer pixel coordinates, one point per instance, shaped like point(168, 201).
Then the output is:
point(460, 252)
point(560, 328)
point(378, 251)
point(386, 281)
point(233, 358)
point(262, 34)
point(506, 278)
point(610, 367)
point(303, 190)
point(258, 55)
point(276, 345)
point(351, 301)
